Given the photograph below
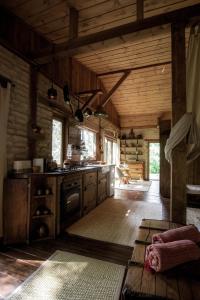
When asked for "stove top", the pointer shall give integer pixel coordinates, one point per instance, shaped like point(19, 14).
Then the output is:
point(72, 169)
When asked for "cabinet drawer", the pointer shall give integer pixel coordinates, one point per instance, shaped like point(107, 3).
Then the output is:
point(90, 178)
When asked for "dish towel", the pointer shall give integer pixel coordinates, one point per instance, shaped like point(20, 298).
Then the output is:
point(189, 232)
point(161, 257)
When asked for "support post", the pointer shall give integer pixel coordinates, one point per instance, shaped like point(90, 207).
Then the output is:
point(178, 166)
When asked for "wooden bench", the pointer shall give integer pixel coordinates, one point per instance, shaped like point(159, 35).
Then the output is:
point(142, 284)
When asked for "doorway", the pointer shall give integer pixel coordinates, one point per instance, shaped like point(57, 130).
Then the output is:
point(154, 161)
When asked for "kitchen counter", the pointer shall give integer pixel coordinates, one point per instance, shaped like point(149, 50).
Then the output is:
point(59, 173)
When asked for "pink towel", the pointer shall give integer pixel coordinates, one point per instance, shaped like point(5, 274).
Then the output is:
point(189, 232)
point(161, 257)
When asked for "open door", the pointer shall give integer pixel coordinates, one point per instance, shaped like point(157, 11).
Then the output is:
point(154, 161)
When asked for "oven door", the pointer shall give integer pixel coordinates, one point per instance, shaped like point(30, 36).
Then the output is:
point(70, 206)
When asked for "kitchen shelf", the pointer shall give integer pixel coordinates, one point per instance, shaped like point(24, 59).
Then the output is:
point(42, 182)
point(135, 145)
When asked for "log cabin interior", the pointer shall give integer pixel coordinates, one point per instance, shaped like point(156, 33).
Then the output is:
point(85, 88)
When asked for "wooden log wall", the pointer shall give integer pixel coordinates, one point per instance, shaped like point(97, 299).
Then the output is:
point(20, 38)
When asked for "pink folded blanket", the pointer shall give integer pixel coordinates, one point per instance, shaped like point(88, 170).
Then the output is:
point(161, 257)
point(189, 232)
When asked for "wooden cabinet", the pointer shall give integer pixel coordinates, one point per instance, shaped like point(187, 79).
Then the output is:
point(15, 211)
point(29, 208)
point(89, 191)
point(136, 170)
point(42, 209)
point(102, 186)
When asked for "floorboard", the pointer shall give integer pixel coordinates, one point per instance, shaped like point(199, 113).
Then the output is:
point(17, 262)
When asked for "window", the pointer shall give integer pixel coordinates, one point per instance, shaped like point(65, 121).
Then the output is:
point(57, 138)
point(88, 144)
point(111, 151)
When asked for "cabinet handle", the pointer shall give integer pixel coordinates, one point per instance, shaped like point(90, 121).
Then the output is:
point(85, 189)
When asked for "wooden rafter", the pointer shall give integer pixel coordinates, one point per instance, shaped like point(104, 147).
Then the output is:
point(133, 69)
point(158, 20)
point(90, 100)
point(115, 87)
point(89, 93)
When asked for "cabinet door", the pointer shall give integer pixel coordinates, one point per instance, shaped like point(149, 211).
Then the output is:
point(90, 178)
point(102, 189)
point(15, 210)
point(89, 198)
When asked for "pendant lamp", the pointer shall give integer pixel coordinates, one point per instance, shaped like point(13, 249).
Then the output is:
point(100, 112)
point(79, 114)
point(66, 94)
point(52, 92)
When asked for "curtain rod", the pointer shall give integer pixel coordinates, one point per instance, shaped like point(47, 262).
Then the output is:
point(4, 80)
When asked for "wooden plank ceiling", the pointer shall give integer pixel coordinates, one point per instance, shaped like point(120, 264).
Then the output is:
point(145, 92)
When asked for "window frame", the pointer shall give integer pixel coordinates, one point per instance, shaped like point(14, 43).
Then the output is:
point(112, 141)
point(95, 133)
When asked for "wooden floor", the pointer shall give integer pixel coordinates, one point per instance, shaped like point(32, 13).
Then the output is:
point(19, 262)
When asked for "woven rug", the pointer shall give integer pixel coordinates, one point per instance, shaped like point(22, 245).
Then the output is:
point(116, 220)
point(140, 186)
point(68, 276)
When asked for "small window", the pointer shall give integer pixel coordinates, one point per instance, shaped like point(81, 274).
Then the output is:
point(88, 145)
point(57, 138)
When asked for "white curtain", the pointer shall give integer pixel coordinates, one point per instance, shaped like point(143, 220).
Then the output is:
point(189, 125)
point(4, 108)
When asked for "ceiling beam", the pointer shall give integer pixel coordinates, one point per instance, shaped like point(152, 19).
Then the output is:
point(89, 93)
point(90, 100)
point(133, 69)
point(140, 10)
point(73, 23)
point(115, 87)
point(182, 14)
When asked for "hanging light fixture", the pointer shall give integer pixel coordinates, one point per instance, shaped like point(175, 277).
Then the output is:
point(52, 92)
point(87, 113)
point(66, 94)
point(100, 112)
point(79, 114)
